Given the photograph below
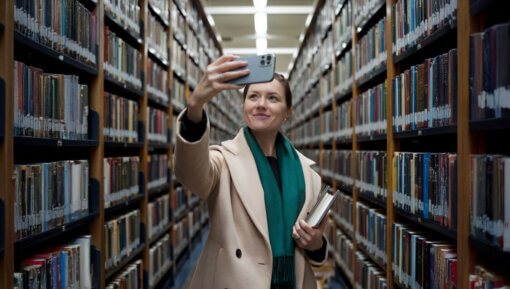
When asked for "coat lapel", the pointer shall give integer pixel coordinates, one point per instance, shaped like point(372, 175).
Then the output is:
point(244, 173)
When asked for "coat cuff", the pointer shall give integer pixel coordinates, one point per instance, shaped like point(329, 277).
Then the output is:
point(319, 256)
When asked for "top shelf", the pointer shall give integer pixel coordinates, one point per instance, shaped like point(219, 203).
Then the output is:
point(123, 32)
point(156, 11)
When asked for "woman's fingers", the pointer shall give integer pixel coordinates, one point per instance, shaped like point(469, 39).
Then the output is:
point(304, 234)
point(226, 76)
point(230, 65)
point(223, 59)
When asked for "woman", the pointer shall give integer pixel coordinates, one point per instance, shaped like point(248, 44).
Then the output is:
point(258, 189)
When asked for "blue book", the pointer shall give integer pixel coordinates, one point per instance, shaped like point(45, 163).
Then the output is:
point(426, 159)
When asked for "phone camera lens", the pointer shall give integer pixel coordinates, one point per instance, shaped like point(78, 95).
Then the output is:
point(269, 58)
point(262, 62)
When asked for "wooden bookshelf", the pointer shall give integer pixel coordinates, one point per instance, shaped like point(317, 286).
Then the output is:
point(464, 137)
point(16, 46)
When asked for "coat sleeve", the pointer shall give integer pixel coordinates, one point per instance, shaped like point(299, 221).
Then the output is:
point(319, 257)
point(195, 166)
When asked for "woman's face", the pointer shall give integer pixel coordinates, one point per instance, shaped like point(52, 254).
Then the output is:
point(265, 109)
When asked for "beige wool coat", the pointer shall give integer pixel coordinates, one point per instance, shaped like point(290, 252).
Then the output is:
point(237, 253)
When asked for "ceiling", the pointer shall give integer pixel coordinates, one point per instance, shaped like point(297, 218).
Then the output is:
point(234, 22)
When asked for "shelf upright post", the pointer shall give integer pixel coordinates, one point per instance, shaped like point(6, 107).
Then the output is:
point(6, 145)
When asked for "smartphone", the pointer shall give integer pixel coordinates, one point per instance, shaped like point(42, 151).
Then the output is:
point(261, 69)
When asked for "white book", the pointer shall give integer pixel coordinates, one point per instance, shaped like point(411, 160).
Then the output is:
point(76, 188)
point(85, 271)
point(321, 207)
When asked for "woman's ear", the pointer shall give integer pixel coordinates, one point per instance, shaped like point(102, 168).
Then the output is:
point(288, 113)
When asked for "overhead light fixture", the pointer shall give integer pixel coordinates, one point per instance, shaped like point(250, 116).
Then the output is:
point(211, 20)
point(261, 45)
point(260, 4)
point(260, 23)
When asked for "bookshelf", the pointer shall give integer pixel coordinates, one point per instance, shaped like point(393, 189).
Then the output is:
point(163, 39)
point(452, 130)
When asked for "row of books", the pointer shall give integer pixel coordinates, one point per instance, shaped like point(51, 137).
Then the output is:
point(157, 81)
point(216, 136)
point(157, 123)
point(192, 45)
point(193, 74)
point(371, 50)
point(130, 278)
point(178, 25)
point(120, 119)
point(60, 266)
point(48, 195)
point(309, 103)
point(192, 16)
point(343, 26)
point(49, 105)
point(371, 231)
point(342, 170)
point(482, 278)
point(122, 61)
point(157, 170)
point(489, 79)
point(160, 259)
point(344, 253)
point(344, 212)
point(420, 260)
point(161, 7)
point(490, 199)
point(203, 59)
point(179, 200)
point(195, 220)
point(125, 12)
point(120, 179)
point(343, 122)
point(370, 111)
point(365, 9)
point(343, 73)
point(327, 53)
point(415, 20)
point(371, 170)
point(157, 38)
point(65, 26)
point(178, 58)
point(326, 16)
point(425, 185)
point(326, 91)
point(425, 95)
point(367, 274)
point(122, 236)
point(308, 132)
point(158, 215)
point(180, 236)
point(178, 94)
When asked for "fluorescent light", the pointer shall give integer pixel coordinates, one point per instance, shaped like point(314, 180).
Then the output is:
point(260, 4)
point(308, 20)
point(211, 20)
point(218, 37)
point(228, 10)
point(273, 50)
point(260, 23)
point(261, 45)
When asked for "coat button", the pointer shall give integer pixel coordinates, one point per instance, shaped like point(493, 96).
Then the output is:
point(239, 253)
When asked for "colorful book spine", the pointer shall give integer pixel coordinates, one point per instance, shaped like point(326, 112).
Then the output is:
point(371, 50)
point(490, 199)
point(344, 212)
point(371, 174)
point(122, 237)
point(415, 20)
point(194, 218)
point(157, 38)
point(66, 26)
point(370, 111)
point(343, 73)
point(60, 266)
point(157, 123)
point(344, 253)
point(131, 277)
point(367, 274)
point(489, 79)
point(421, 261)
point(179, 200)
point(365, 9)
point(125, 12)
point(120, 118)
point(178, 94)
point(483, 278)
point(122, 62)
point(425, 96)
point(158, 215)
point(180, 236)
point(425, 185)
point(157, 170)
point(327, 122)
point(343, 167)
point(178, 58)
point(48, 105)
point(120, 179)
point(371, 232)
point(160, 259)
point(48, 195)
point(157, 81)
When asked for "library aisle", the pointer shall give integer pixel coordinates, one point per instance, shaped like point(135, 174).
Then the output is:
point(402, 104)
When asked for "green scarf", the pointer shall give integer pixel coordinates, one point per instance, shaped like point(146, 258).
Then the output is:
point(282, 206)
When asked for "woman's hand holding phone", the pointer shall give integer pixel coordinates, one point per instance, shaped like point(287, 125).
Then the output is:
point(214, 81)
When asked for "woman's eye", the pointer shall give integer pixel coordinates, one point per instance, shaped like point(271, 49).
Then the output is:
point(273, 98)
point(252, 96)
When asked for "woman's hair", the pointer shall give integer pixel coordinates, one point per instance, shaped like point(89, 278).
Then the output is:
point(281, 79)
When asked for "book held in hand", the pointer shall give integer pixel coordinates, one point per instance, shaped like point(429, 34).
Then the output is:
point(321, 207)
